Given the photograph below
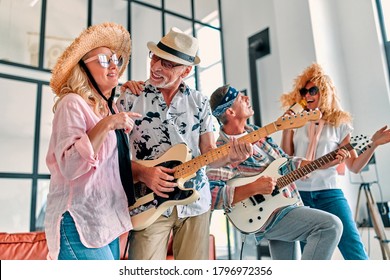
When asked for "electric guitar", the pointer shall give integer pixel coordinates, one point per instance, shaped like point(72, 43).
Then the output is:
point(250, 214)
point(149, 206)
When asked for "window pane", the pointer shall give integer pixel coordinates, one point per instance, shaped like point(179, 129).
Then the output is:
point(182, 7)
point(211, 74)
point(218, 229)
point(46, 127)
point(209, 37)
point(19, 38)
point(156, 3)
point(15, 203)
point(386, 17)
point(43, 190)
point(141, 16)
point(182, 24)
point(64, 21)
point(210, 79)
point(113, 10)
point(206, 11)
point(17, 125)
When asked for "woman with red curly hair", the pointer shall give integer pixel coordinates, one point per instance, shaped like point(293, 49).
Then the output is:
point(321, 189)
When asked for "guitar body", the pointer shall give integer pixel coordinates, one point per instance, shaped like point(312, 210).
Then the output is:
point(150, 206)
point(250, 214)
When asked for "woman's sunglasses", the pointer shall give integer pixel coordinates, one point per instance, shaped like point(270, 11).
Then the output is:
point(312, 91)
point(104, 60)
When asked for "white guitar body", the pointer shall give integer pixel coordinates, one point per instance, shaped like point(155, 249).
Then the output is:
point(250, 215)
point(149, 207)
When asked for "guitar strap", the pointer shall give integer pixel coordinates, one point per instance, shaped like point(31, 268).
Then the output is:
point(122, 142)
point(314, 132)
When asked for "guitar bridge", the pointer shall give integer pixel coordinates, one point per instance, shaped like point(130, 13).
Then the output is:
point(143, 208)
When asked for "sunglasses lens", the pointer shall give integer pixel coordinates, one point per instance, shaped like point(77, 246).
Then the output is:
point(167, 64)
point(104, 60)
point(117, 61)
point(120, 62)
point(312, 91)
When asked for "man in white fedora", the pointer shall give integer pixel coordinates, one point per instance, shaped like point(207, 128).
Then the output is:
point(172, 114)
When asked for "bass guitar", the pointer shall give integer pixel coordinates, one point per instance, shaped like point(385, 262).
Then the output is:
point(250, 215)
point(149, 206)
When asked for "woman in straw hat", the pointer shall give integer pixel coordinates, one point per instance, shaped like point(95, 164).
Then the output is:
point(321, 190)
point(87, 209)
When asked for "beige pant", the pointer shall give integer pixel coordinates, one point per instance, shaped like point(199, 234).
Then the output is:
point(190, 238)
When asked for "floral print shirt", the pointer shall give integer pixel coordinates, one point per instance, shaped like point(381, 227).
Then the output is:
point(162, 127)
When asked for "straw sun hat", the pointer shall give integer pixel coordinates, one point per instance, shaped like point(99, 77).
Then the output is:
point(177, 46)
point(111, 35)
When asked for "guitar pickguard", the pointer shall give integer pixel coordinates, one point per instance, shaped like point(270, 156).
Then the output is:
point(178, 194)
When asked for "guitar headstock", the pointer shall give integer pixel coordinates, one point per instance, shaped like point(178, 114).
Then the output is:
point(297, 120)
point(360, 143)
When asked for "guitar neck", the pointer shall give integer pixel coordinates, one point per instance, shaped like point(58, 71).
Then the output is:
point(193, 165)
point(310, 167)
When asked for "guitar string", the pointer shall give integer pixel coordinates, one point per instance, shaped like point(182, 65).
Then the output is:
point(194, 164)
point(299, 173)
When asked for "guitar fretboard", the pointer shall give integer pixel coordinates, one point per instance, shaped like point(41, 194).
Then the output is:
point(310, 167)
point(193, 165)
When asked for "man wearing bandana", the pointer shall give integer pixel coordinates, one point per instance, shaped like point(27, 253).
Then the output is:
point(320, 231)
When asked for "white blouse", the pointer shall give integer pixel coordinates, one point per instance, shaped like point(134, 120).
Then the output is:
point(329, 140)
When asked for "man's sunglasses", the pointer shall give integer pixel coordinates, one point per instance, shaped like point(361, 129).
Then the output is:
point(104, 60)
point(165, 63)
point(312, 91)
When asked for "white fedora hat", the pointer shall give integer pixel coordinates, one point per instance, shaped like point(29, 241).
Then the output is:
point(177, 46)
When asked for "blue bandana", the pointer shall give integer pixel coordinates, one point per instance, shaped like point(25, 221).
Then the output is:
point(226, 102)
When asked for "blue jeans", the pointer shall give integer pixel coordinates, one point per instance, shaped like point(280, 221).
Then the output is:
point(71, 247)
point(333, 201)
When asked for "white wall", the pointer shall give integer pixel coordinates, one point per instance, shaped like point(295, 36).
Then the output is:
point(343, 36)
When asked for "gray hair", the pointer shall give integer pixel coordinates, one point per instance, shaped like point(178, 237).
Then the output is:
point(216, 99)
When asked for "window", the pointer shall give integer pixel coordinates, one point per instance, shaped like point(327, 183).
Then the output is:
point(384, 20)
point(32, 44)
